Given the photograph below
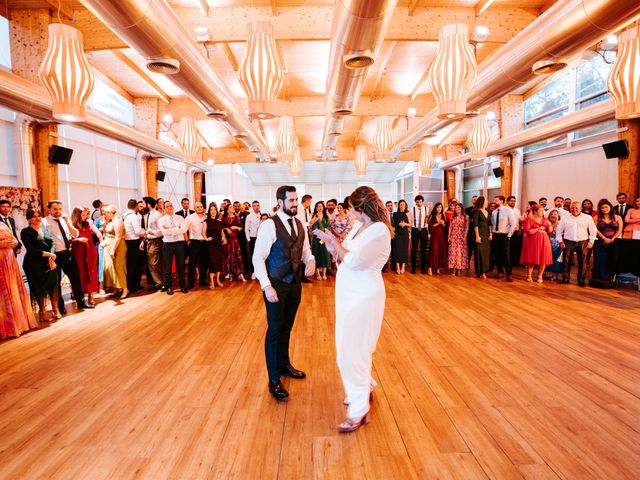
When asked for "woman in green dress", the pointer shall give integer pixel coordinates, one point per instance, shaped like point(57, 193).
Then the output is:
point(115, 254)
point(481, 224)
point(320, 221)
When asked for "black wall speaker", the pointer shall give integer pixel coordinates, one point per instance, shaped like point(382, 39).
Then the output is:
point(498, 172)
point(160, 176)
point(617, 149)
point(58, 154)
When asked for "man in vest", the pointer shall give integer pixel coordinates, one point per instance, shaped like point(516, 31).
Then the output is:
point(281, 247)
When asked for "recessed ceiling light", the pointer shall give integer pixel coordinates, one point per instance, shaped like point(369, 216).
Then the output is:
point(210, 161)
point(480, 33)
point(167, 118)
point(411, 112)
point(201, 30)
point(491, 115)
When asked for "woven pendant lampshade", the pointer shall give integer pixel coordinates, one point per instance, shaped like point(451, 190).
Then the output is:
point(189, 141)
point(624, 80)
point(479, 137)
point(361, 161)
point(260, 74)
point(426, 159)
point(66, 74)
point(453, 71)
point(295, 164)
point(286, 140)
point(383, 139)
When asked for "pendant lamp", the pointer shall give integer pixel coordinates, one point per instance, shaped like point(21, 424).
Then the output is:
point(261, 75)
point(361, 161)
point(479, 137)
point(383, 139)
point(189, 141)
point(66, 74)
point(295, 164)
point(624, 80)
point(426, 159)
point(286, 140)
point(453, 71)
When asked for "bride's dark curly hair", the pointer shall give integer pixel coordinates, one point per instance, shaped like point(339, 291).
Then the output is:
point(365, 200)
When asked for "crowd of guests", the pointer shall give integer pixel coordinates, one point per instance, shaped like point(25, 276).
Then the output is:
point(106, 250)
point(488, 235)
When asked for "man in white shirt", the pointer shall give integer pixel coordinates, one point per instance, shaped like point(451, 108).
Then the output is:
point(419, 234)
point(197, 246)
point(62, 231)
point(153, 242)
point(281, 247)
point(251, 224)
point(304, 215)
point(575, 233)
point(558, 204)
point(133, 235)
point(174, 229)
point(503, 225)
point(516, 238)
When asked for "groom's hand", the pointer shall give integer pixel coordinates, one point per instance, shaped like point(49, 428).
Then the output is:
point(271, 294)
point(310, 268)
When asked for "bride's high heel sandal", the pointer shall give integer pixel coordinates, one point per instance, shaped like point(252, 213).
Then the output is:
point(351, 425)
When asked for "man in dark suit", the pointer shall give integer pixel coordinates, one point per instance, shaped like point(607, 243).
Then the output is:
point(622, 208)
point(5, 209)
point(185, 212)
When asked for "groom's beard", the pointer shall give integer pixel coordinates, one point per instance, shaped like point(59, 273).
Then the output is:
point(291, 212)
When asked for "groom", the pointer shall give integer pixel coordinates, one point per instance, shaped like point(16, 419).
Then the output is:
point(281, 247)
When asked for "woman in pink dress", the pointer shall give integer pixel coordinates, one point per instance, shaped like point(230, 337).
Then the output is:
point(536, 245)
point(84, 252)
point(458, 251)
point(16, 314)
point(449, 214)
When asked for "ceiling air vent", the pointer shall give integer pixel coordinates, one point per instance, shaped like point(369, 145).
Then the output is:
point(358, 59)
point(340, 112)
point(166, 66)
point(548, 65)
point(217, 114)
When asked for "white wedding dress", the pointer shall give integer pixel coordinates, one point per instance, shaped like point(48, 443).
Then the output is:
point(360, 300)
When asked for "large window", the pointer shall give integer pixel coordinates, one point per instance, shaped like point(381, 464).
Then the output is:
point(478, 179)
point(107, 101)
point(8, 149)
point(5, 48)
point(573, 89)
point(100, 168)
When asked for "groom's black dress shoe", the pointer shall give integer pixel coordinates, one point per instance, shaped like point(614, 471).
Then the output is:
point(289, 371)
point(277, 390)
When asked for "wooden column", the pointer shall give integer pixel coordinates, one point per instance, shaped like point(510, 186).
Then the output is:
point(506, 182)
point(511, 120)
point(450, 178)
point(28, 37)
point(197, 186)
point(629, 168)
point(44, 136)
point(152, 183)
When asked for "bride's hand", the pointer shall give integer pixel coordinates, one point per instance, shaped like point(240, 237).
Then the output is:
point(324, 236)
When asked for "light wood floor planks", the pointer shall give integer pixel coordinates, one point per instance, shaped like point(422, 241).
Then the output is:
point(477, 380)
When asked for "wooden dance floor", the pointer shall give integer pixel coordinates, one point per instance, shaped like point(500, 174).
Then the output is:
point(477, 380)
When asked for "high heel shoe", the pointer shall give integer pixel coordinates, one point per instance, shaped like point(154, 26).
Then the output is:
point(125, 294)
point(529, 279)
point(242, 279)
point(318, 276)
point(540, 279)
point(351, 424)
point(324, 277)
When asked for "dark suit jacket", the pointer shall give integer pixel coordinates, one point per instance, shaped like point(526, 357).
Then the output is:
point(181, 213)
point(12, 224)
point(618, 211)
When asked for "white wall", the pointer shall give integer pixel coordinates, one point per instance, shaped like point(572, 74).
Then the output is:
point(8, 154)
point(229, 181)
point(100, 168)
point(577, 174)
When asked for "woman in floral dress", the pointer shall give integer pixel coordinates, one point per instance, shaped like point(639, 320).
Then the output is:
point(458, 259)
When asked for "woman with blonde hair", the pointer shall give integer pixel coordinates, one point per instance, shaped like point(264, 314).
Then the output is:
point(360, 299)
point(115, 253)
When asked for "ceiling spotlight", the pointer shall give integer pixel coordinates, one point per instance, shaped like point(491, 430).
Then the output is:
point(210, 162)
point(480, 34)
point(411, 112)
point(491, 115)
point(549, 65)
point(167, 118)
point(609, 44)
point(201, 31)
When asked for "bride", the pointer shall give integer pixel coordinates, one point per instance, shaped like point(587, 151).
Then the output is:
point(360, 299)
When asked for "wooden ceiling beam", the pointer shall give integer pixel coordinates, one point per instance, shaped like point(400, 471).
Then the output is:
point(142, 74)
point(450, 133)
point(230, 56)
point(413, 4)
point(418, 87)
point(274, 8)
point(204, 7)
point(381, 69)
point(65, 8)
point(546, 6)
point(482, 6)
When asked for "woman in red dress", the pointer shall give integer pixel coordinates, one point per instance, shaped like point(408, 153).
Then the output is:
point(536, 245)
point(232, 262)
point(438, 247)
point(84, 251)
